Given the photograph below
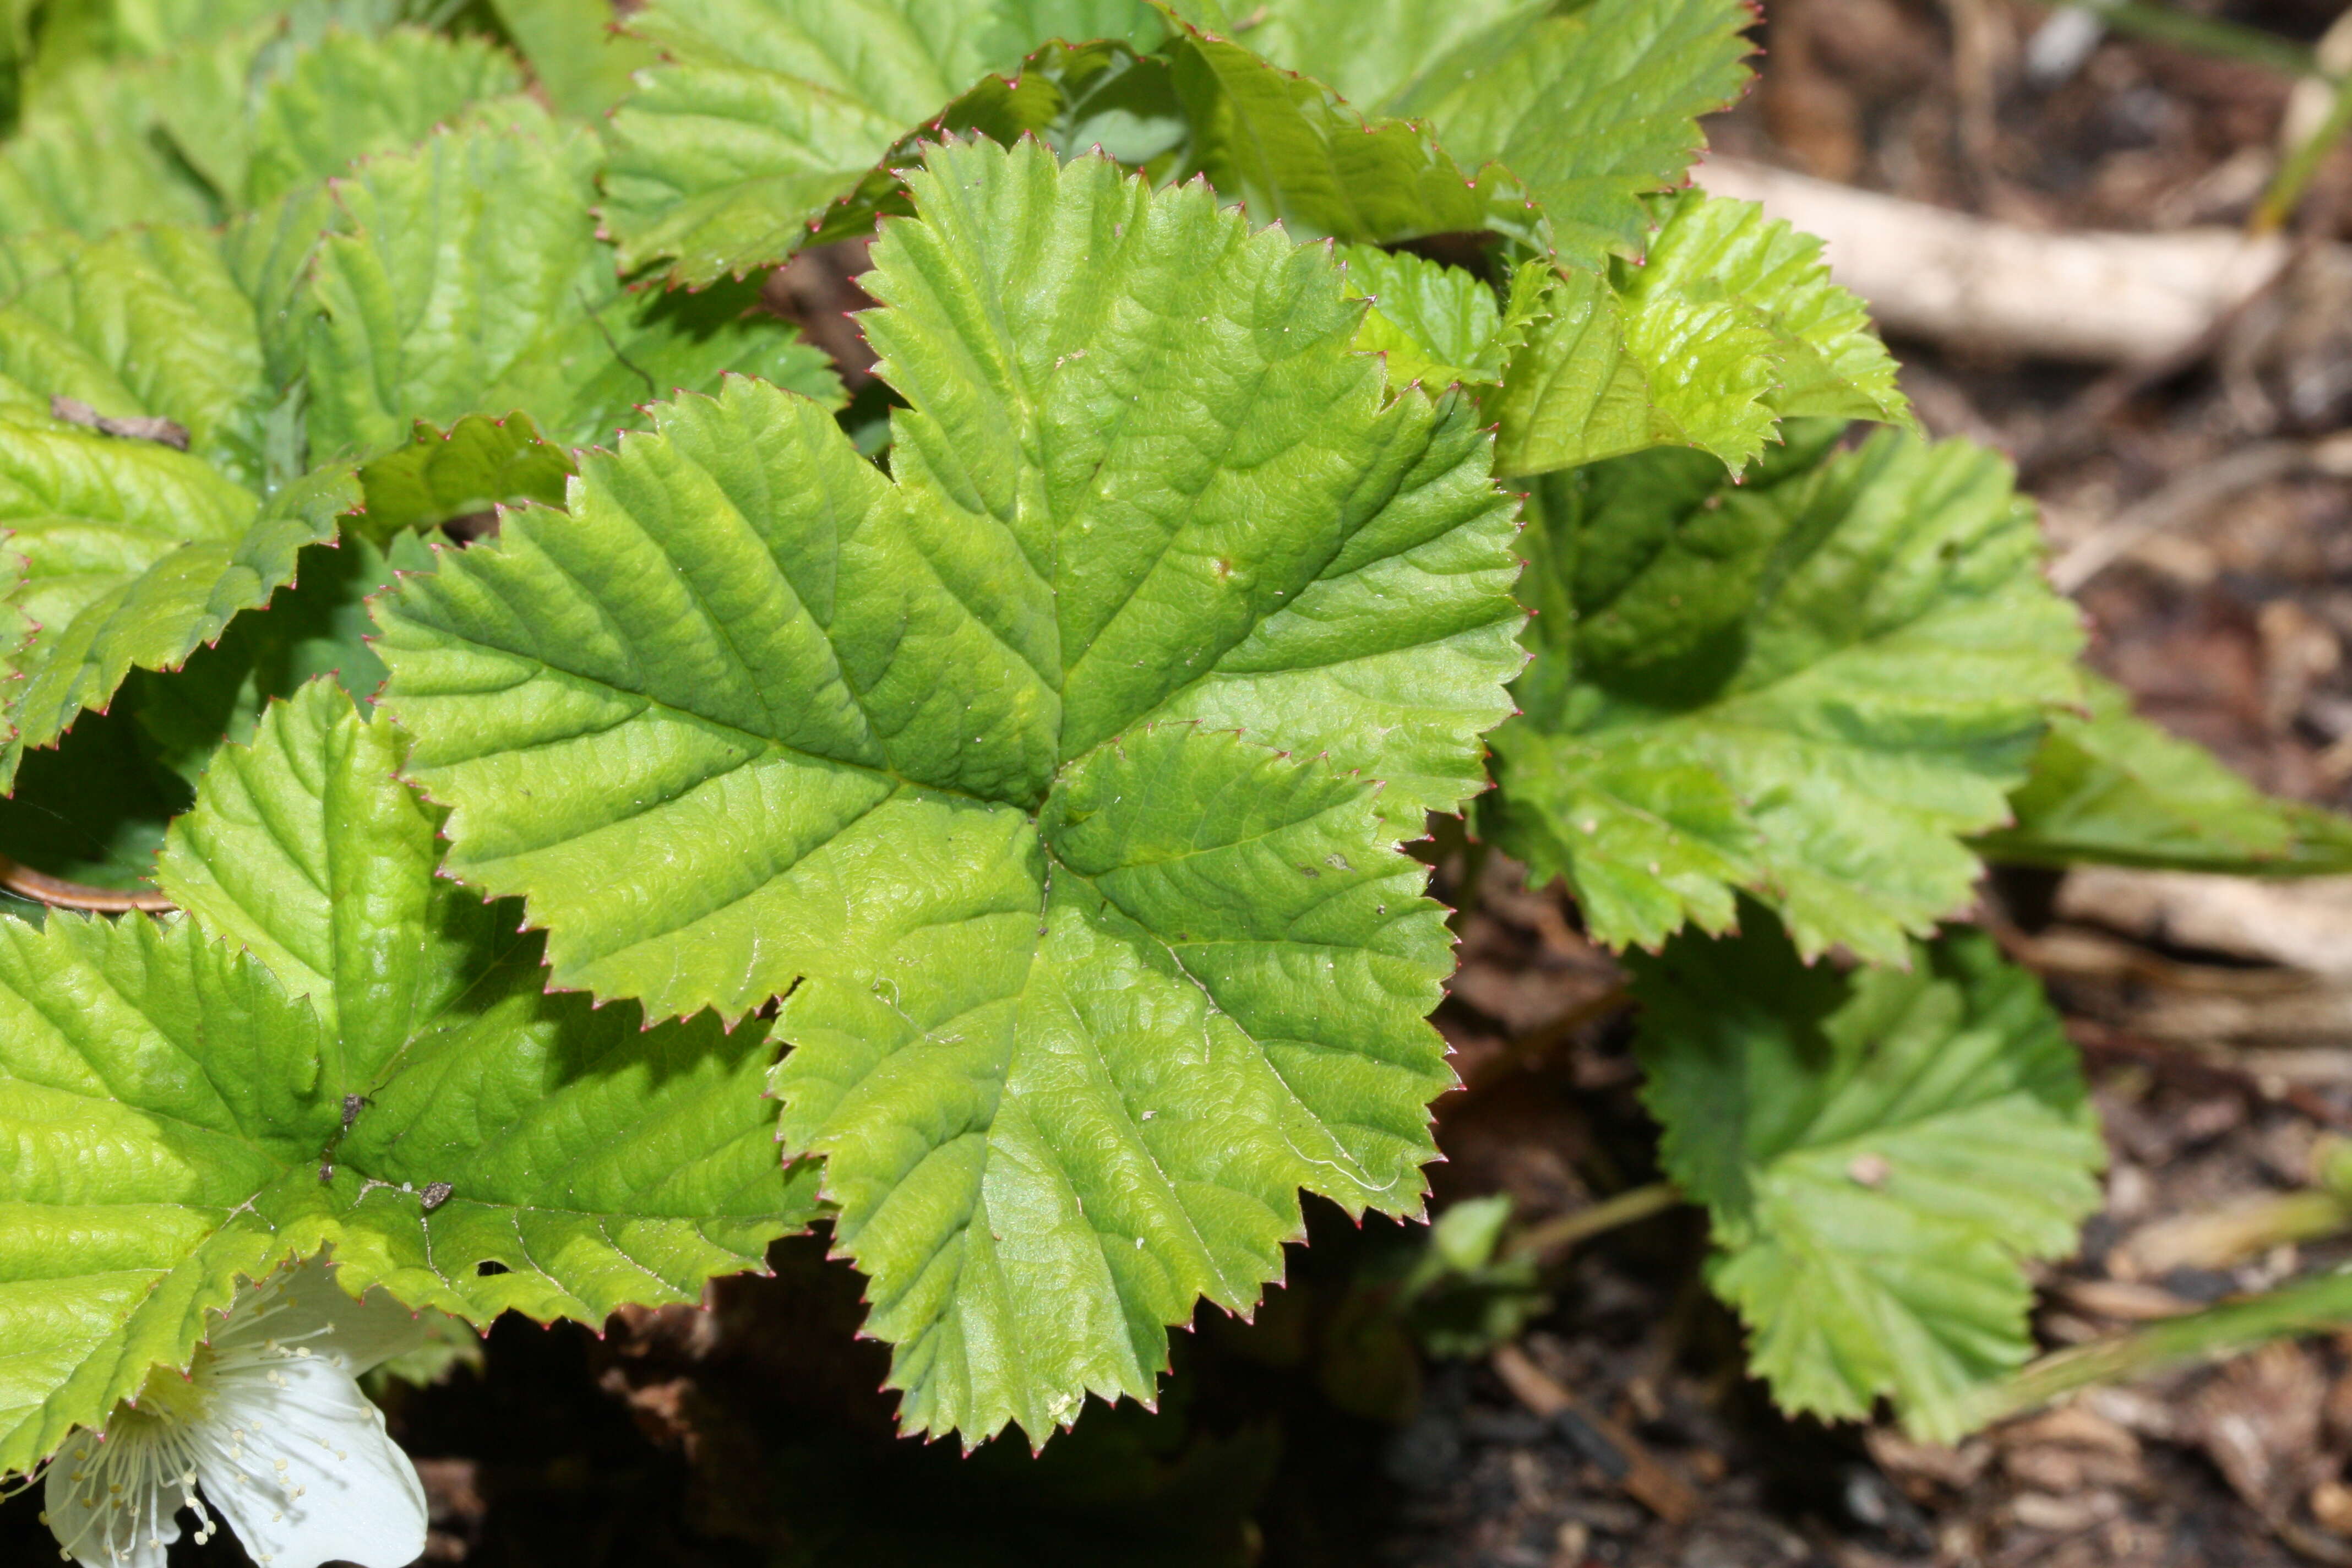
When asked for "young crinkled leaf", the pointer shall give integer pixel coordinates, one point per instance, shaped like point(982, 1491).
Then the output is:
point(1879, 1154)
point(1088, 985)
point(466, 277)
point(1810, 686)
point(2112, 789)
point(773, 109)
point(1590, 106)
point(1731, 325)
point(171, 1090)
point(1439, 323)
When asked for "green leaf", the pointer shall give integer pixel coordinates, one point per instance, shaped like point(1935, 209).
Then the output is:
point(771, 111)
point(1053, 1124)
point(477, 464)
point(1439, 323)
point(1809, 686)
point(317, 625)
point(1731, 325)
point(136, 555)
point(148, 323)
point(84, 160)
point(1592, 108)
point(1436, 324)
point(352, 96)
point(2112, 789)
point(576, 49)
point(237, 117)
point(171, 1098)
point(93, 811)
point(1879, 1152)
point(468, 277)
point(755, 713)
point(1295, 153)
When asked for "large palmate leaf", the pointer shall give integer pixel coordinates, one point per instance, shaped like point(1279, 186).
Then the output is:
point(176, 1113)
point(2109, 788)
point(1730, 325)
point(1878, 1152)
point(466, 277)
point(773, 109)
point(135, 555)
point(1809, 686)
point(1088, 985)
point(1591, 106)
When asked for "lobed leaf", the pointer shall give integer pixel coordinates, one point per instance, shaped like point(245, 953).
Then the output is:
point(463, 277)
point(2109, 788)
point(1292, 151)
point(1879, 1154)
point(1730, 326)
point(1810, 686)
point(576, 49)
point(1592, 108)
point(938, 748)
point(136, 555)
point(175, 1105)
point(235, 117)
point(147, 323)
point(466, 277)
point(353, 97)
point(771, 111)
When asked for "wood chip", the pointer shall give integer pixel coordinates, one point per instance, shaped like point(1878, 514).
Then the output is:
point(164, 432)
point(1612, 1450)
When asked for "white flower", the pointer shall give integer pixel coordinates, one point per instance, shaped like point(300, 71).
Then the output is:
point(268, 1421)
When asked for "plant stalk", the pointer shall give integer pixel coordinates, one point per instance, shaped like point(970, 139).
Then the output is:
point(2295, 175)
point(2205, 34)
point(1578, 1224)
point(2307, 1306)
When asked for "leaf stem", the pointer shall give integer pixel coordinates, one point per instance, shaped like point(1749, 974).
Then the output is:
point(2206, 35)
point(2295, 175)
point(1579, 1225)
point(2307, 1306)
point(58, 893)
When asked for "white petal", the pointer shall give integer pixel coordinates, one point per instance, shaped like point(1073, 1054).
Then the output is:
point(362, 1333)
point(132, 1535)
point(304, 1473)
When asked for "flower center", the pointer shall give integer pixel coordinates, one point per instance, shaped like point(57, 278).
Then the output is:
point(169, 1397)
